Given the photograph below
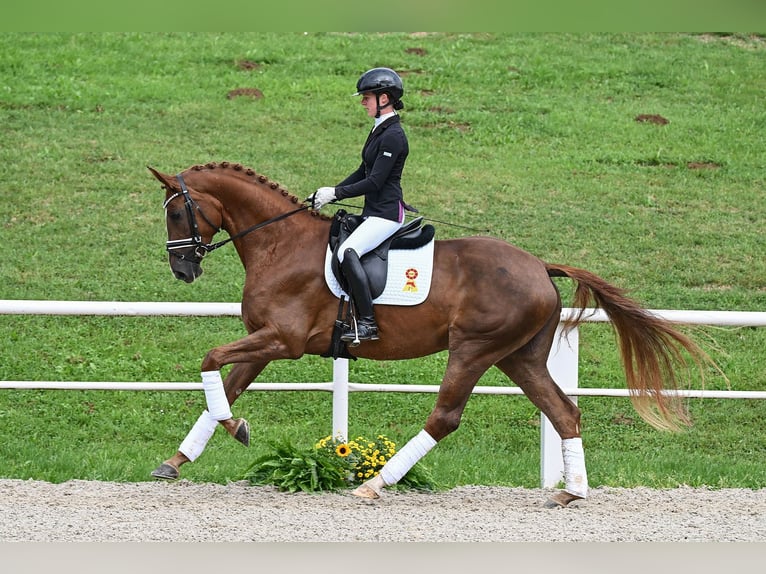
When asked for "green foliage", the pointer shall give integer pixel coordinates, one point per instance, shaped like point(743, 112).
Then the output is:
point(292, 469)
point(533, 137)
point(331, 464)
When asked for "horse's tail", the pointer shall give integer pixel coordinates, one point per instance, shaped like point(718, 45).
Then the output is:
point(650, 348)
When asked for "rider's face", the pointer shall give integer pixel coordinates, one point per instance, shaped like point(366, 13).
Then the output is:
point(368, 101)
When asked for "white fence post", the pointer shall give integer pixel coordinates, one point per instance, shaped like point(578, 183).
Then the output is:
point(340, 399)
point(562, 364)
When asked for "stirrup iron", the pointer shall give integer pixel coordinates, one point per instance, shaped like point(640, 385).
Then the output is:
point(355, 326)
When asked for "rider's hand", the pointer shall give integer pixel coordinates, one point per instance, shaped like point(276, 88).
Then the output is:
point(321, 197)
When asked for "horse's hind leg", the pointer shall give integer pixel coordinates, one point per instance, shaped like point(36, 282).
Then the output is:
point(527, 367)
point(240, 376)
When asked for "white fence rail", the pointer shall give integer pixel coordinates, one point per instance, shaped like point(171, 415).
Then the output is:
point(563, 364)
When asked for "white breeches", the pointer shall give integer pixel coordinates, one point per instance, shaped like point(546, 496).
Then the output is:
point(371, 232)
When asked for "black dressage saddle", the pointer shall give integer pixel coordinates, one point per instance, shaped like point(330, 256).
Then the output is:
point(375, 263)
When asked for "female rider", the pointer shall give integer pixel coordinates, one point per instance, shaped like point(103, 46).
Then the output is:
point(378, 179)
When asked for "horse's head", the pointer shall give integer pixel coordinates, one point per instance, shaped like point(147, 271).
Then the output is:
point(192, 219)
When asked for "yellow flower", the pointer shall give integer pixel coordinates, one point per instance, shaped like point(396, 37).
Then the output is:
point(342, 450)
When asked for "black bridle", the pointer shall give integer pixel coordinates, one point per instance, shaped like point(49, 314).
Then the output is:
point(195, 241)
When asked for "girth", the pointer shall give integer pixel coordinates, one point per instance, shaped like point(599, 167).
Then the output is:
point(375, 263)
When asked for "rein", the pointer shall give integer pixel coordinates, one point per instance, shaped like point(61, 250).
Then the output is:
point(432, 220)
point(200, 248)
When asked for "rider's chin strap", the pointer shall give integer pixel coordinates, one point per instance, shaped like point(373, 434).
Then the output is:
point(379, 107)
point(396, 105)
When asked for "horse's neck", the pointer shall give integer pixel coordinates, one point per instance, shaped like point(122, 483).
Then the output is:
point(247, 204)
point(245, 200)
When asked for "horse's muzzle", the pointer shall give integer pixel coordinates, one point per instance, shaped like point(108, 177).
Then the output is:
point(186, 271)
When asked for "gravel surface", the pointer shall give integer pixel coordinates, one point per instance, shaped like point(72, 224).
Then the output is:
point(36, 511)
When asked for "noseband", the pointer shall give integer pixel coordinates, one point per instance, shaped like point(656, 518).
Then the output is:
point(200, 247)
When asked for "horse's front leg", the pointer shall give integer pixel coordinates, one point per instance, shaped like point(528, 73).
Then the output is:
point(259, 347)
point(219, 406)
point(240, 376)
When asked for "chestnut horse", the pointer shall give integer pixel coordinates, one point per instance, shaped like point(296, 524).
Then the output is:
point(490, 304)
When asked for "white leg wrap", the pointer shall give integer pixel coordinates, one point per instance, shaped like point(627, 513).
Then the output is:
point(575, 477)
point(198, 437)
point(405, 459)
point(217, 404)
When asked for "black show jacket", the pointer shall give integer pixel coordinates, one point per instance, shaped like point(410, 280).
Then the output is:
point(378, 177)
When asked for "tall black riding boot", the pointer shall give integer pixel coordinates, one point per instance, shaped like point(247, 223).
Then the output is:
point(365, 329)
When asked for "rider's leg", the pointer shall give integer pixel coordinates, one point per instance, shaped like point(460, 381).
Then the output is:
point(370, 233)
point(366, 327)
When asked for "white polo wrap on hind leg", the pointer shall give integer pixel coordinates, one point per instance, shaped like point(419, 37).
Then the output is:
point(217, 403)
point(198, 437)
point(575, 477)
point(405, 459)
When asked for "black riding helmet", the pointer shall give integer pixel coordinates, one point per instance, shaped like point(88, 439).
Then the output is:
point(382, 81)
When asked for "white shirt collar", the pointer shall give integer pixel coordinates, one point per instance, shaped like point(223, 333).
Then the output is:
point(382, 118)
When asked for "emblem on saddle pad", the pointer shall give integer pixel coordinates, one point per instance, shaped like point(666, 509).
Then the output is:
point(411, 275)
point(400, 270)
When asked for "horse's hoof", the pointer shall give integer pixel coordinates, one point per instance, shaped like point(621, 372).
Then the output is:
point(165, 471)
point(561, 499)
point(242, 434)
point(371, 489)
point(365, 491)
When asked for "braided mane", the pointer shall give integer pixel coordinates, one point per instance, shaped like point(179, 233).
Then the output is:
point(256, 177)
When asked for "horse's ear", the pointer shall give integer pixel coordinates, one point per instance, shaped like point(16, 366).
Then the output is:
point(168, 181)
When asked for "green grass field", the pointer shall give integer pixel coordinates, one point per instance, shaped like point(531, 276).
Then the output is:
point(637, 156)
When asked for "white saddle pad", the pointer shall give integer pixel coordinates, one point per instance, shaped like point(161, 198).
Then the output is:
point(409, 276)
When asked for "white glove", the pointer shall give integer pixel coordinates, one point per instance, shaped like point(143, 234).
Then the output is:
point(321, 197)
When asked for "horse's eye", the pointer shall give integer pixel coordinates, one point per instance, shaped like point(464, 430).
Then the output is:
point(175, 215)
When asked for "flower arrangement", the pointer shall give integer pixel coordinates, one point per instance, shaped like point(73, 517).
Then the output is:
point(331, 464)
point(364, 458)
